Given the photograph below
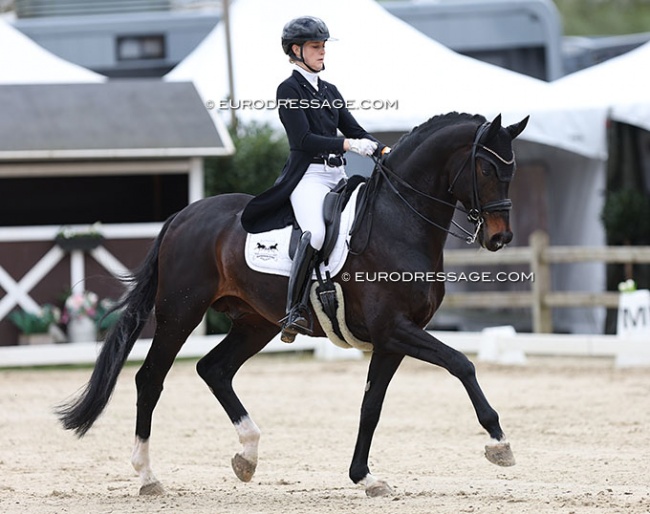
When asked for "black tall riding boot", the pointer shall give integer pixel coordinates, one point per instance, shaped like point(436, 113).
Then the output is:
point(298, 319)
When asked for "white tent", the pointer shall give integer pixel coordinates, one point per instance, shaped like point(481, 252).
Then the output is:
point(620, 86)
point(616, 89)
point(22, 61)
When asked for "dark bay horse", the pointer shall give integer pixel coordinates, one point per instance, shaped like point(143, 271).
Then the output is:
point(197, 262)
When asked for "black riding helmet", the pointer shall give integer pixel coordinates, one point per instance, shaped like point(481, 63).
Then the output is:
point(300, 30)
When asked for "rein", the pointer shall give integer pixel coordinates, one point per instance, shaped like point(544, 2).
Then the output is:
point(474, 215)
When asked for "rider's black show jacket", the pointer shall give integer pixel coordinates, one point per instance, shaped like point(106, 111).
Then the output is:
point(311, 119)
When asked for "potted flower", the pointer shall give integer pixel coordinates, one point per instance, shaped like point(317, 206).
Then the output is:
point(88, 239)
point(79, 315)
point(106, 315)
point(38, 327)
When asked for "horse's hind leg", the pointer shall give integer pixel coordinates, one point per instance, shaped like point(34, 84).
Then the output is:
point(167, 341)
point(248, 335)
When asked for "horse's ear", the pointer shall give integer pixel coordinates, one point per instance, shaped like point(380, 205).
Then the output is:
point(517, 128)
point(494, 128)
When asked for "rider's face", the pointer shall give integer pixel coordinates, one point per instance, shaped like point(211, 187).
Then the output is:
point(313, 53)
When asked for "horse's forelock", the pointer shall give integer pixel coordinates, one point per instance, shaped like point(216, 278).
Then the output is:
point(501, 144)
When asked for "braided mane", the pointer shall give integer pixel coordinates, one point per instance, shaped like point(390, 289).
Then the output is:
point(408, 142)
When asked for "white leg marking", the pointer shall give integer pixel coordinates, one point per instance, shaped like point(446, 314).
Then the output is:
point(245, 463)
point(249, 437)
point(141, 462)
point(368, 480)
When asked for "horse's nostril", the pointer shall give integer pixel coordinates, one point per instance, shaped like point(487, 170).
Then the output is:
point(501, 239)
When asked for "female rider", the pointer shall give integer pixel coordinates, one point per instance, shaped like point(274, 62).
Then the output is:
point(311, 111)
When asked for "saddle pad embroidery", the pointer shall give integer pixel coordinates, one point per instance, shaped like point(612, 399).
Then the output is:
point(268, 252)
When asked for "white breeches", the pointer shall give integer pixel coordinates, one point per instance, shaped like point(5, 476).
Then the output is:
point(308, 197)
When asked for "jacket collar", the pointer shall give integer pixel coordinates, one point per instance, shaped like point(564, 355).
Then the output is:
point(305, 83)
point(310, 76)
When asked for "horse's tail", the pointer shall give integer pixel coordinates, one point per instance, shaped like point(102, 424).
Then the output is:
point(80, 414)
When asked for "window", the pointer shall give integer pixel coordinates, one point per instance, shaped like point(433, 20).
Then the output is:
point(131, 48)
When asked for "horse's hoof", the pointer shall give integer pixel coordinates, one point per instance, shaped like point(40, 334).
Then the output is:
point(244, 469)
point(153, 489)
point(379, 488)
point(500, 454)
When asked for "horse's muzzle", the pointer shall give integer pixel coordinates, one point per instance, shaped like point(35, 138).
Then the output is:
point(496, 231)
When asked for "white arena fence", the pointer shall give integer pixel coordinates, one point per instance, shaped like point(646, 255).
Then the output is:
point(500, 345)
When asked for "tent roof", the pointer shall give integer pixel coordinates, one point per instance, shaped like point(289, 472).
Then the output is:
point(620, 85)
point(22, 61)
point(376, 57)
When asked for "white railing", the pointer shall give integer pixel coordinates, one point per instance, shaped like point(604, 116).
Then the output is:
point(18, 289)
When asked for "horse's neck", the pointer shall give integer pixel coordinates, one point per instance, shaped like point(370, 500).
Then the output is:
point(426, 169)
point(426, 165)
point(395, 221)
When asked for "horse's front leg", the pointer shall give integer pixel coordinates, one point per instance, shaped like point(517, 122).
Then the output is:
point(380, 372)
point(413, 341)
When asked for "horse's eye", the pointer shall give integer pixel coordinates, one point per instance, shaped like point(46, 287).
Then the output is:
point(487, 169)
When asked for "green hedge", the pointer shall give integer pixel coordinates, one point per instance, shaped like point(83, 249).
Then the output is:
point(626, 217)
point(260, 153)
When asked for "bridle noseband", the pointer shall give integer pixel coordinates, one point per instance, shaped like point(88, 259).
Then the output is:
point(476, 211)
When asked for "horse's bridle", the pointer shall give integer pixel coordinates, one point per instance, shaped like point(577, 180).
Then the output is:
point(476, 211)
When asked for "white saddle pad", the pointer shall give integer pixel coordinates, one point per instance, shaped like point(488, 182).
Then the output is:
point(268, 252)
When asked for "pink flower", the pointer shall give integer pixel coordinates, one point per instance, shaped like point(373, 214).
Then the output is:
point(78, 305)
